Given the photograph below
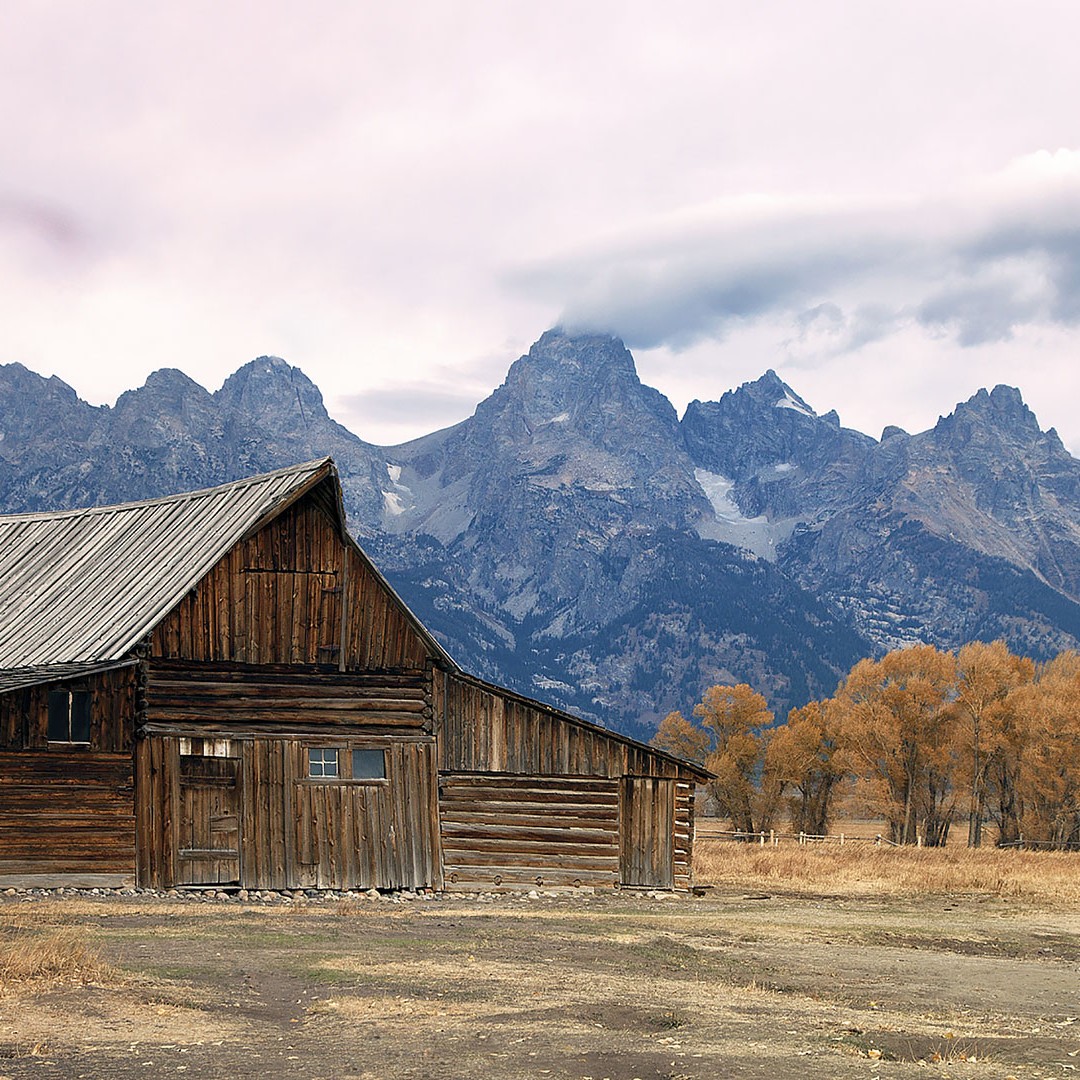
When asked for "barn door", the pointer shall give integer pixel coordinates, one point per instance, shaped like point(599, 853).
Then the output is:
point(209, 850)
point(647, 831)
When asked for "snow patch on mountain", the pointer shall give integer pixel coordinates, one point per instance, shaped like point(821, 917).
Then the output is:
point(732, 526)
point(791, 401)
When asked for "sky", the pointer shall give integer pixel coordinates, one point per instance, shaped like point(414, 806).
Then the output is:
point(880, 201)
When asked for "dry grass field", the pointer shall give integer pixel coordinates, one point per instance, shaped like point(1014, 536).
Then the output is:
point(800, 961)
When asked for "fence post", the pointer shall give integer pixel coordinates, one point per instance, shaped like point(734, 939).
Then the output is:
point(841, 839)
point(761, 840)
point(802, 837)
point(772, 837)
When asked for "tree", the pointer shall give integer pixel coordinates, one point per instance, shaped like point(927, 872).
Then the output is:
point(987, 675)
point(737, 720)
point(896, 725)
point(1049, 770)
point(805, 755)
point(677, 735)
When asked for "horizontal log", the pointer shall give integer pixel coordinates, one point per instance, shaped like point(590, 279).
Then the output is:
point(328, 703)
point(503, 830)
point(470, 882)
point(484, 808)
point(525, 782)
point(537, 862)
point(492, 818)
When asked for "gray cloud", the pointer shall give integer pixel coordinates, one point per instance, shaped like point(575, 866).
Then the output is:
point(975, 267)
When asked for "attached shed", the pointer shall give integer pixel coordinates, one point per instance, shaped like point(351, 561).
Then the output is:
point(219, 688)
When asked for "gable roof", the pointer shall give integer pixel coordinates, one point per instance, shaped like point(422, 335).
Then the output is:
point(86, 586)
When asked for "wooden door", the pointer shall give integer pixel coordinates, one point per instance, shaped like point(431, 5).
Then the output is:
point(209, 849)
point(647, 831)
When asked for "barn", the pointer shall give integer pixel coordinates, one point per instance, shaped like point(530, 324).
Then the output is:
point(218, 689)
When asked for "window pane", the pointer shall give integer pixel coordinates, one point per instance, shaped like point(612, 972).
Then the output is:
point(80, 716)
point(59, 711)
point(322, 762)
point(368, 765)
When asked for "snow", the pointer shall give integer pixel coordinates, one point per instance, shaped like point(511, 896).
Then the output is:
point(732, 526)
point(560, 419)
point(788, 402)
point(399, 500)
point(783, 467)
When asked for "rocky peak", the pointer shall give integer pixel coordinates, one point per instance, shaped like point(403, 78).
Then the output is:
point(770, 391)
point(1001, 410)
point(584, 380)
point(269, 385)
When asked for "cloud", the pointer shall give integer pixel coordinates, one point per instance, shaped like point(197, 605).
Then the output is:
point(397, 408)
point(976, 265)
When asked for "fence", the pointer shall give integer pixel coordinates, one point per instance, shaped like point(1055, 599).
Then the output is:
point(772, 838)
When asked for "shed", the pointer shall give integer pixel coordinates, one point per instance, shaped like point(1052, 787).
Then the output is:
point(219, 688)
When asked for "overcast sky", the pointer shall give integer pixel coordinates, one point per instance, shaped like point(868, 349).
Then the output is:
point(880, 200)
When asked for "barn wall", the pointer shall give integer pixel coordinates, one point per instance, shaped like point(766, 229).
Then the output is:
point(296, 831)
point(66, 812)
point(233, 697)
point(486, 731)
point(527, 793)
point(507, 831)
point(276, 598)
point(24, 714)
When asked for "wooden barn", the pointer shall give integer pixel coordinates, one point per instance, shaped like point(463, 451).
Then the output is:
point(219, 688)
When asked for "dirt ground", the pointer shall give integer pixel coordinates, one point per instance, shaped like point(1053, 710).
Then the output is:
point(616, 986)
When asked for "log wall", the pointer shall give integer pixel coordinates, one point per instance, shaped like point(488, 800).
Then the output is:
point(24, 714)
point(527, 792)
point(234, 697)
point(66, 812)
point(516, 831)
point(277, 598)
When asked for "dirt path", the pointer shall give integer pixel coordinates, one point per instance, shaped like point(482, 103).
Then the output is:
point(564, 987)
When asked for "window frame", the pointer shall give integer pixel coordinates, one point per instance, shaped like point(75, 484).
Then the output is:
point(345, 763)
point(76, 700)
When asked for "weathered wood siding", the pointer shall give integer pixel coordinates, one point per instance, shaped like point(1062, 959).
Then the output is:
point(484, 730)
point(527, 792)
point(234, 697)
point(381, 834)
point(66, 811)
point(647, 836)
point(514, 831)
point(24, 714)
point(295, 831)
point(277, 598)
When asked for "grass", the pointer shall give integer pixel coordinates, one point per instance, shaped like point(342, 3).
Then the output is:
point(36, 954)
point(1049, 877)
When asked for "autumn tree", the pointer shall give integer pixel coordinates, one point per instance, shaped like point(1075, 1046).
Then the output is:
point(985, 703)
point(677, 735)
point(737, 720)
point(1049, 769)
point(896, 724)
point(805, 756)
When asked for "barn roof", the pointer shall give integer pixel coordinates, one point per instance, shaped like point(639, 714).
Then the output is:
point(85, 586)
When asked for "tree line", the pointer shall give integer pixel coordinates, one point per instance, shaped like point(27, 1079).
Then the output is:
point(980, 736)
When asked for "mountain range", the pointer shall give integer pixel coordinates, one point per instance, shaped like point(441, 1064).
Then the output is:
point(578, 541)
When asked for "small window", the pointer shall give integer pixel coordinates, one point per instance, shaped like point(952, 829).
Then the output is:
point(69, 716)
point(322, 763)
point(369, 764)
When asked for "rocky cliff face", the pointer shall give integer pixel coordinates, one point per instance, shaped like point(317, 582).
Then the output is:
point(576, 541)
point(169, 435)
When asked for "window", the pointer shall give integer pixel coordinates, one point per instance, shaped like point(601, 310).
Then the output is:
point(369, 764)
point(322, 763)
point(69, 716)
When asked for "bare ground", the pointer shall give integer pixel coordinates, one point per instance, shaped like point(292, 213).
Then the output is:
point(616, 986)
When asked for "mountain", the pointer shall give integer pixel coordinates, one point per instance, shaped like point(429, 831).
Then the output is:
point(576, 540)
